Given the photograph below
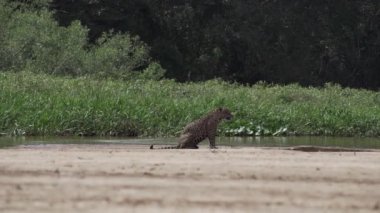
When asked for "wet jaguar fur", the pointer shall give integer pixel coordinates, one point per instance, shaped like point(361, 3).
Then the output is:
point(200, 129)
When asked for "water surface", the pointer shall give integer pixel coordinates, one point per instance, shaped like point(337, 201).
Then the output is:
point(347, 142)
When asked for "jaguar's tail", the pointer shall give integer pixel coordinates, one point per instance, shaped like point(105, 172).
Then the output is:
point(165, 147)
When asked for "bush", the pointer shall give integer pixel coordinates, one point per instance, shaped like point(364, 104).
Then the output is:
point(32, 40)
point(154, 72)
point(117, 56)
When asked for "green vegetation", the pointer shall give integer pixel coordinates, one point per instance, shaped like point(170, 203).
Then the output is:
point(54, 81)
point(42, 104)
point(30, 39)
point(310, 42)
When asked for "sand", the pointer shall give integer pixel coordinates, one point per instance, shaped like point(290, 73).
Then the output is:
point(132, 178)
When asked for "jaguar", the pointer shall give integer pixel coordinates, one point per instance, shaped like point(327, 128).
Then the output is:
point(198, 130)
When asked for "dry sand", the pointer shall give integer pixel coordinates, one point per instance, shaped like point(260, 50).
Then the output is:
point(129, 178)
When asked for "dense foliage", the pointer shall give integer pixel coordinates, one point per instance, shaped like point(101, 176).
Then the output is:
point(310, 42)
point(101, 75)
point(40, 104)
point(30, 39)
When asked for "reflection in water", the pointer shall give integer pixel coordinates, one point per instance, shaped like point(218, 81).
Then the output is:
point(349, 142)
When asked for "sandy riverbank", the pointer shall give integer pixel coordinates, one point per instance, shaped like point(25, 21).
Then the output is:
point(125, 178)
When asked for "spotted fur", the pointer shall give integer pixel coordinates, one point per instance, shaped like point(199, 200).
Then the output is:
point(200, 129)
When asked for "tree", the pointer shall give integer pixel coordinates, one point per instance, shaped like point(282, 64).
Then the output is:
point(310, 42)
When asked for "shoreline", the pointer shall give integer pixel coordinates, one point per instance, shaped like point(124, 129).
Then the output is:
point(117, 178)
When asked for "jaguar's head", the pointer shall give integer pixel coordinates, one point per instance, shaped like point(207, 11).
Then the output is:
point(224, 113)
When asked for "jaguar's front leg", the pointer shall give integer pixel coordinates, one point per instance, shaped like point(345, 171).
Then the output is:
point(211, 139)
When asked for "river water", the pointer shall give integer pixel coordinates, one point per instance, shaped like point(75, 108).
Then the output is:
point(347, 142)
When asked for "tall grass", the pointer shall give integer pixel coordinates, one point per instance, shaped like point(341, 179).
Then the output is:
point(41, 104)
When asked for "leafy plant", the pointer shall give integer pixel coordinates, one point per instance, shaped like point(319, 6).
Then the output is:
point(32, 40)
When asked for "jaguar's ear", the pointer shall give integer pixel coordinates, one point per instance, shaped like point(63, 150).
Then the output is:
point(220, 109)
